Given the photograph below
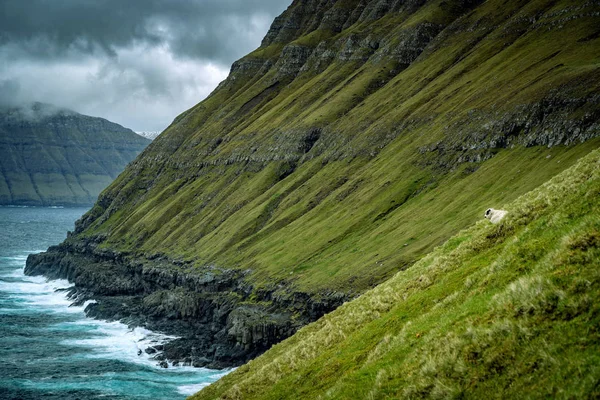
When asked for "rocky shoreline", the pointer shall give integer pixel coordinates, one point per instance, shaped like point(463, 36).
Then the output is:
point(220, 321)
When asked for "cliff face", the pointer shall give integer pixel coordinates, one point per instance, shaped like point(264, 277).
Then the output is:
point(52, 156)
point(356, 138)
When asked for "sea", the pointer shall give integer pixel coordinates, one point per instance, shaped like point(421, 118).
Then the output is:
point(50, 349)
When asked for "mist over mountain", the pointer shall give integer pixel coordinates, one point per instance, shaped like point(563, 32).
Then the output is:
point(139, 63)
point(51, 155)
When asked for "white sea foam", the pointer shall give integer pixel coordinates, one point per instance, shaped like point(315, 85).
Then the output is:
point(43, 295)
point(15, 258)
point(114, 340)
point(111, 340)
point(106, 340)
point(33, 285)
point(189, 390)
point(17, 261)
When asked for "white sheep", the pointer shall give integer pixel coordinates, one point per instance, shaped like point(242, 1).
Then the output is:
point(494, 215)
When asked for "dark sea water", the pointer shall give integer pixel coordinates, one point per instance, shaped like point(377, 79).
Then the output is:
point(49, 350)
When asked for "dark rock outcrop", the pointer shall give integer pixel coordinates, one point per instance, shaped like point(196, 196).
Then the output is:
point(207, 308)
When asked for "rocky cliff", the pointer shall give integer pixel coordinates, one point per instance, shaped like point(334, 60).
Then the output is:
point(53, 156)
point(359, 135)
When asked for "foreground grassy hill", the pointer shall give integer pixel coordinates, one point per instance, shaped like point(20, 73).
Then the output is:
point(53, 156)
point(360, 135)
point(508, 311)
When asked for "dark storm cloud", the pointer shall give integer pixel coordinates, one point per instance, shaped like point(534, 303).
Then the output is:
point(137, 62)
point(205, 29)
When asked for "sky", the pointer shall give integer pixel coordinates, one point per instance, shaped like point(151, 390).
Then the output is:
point(139, 63)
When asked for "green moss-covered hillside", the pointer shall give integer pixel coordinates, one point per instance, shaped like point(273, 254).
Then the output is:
point(504, 311)
point(51, 156)
point(359, 136)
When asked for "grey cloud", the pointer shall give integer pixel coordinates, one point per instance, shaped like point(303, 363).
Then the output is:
point(203, 29)
point(33, 112)
point(136, 62)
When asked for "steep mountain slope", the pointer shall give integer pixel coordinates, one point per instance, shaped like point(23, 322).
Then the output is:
point(356, 138)
point(54, 156)
point(508, 310)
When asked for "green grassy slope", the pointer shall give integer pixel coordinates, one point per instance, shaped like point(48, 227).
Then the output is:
point(507, 311)
point(51, 156)
point(339, 153)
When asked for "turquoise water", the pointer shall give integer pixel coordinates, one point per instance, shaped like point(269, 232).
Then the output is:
point(49, 350)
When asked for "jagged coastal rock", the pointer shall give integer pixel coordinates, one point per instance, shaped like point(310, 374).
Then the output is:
point(51, 156)
point(204, 309)
point(356, 138)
